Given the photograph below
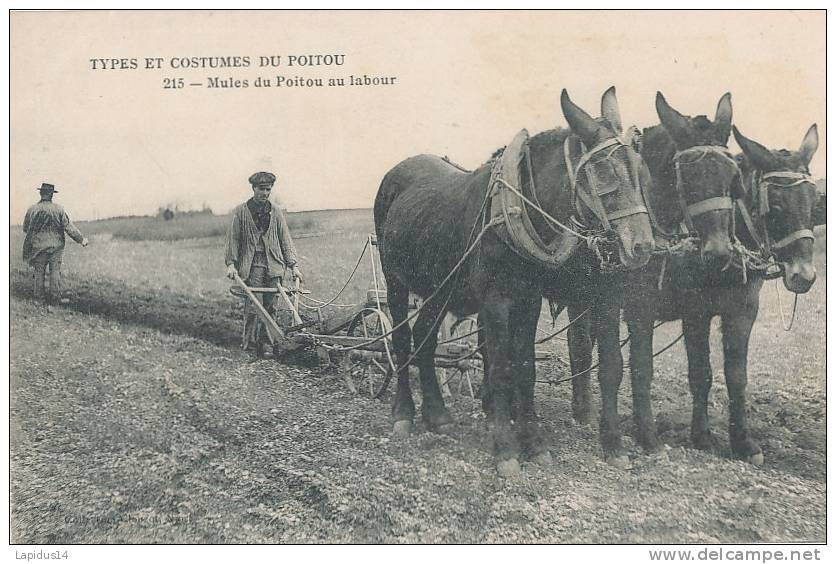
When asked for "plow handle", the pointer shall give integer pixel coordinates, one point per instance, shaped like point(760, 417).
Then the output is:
point(296, 318)
point(273, 330)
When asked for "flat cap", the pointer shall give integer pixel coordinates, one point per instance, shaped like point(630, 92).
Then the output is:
point(262, 178)
point(47, 187)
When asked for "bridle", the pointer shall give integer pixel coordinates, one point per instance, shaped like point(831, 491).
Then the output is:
point(763, 239)
point(715, 203)
point(509, 205)
point(591, 198)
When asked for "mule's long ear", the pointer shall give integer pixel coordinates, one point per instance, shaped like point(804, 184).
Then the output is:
point(674, 123)
point(809, 145)
point(760, 156)
point(723, 118)
point(580, 121)
point(609, 109)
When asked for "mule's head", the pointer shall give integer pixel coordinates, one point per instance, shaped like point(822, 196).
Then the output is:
point(707, 176)
point(608, 179)
point(785, 198)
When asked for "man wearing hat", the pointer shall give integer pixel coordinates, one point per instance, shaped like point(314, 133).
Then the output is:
point(259, 246)
point(45, 224)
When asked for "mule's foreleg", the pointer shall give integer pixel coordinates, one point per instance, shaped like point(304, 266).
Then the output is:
point(737, 327)
point(580, 360)
point(606, 329)
point(640, 322)
point(425, 335)
point(696, 327)
point(403, 407)
point(524, 319)
point(495, 317)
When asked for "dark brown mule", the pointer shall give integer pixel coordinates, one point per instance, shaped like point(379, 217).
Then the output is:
point(430, 215)
point(693, 177)
point(773, 217)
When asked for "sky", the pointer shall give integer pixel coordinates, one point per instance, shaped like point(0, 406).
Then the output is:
point(114, 141)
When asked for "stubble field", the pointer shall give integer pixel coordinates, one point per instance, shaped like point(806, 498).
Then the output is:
point(136, 418)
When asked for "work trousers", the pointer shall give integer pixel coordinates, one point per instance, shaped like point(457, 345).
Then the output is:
point(48, 261)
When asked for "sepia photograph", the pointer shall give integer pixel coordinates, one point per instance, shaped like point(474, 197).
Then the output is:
point(445, 277)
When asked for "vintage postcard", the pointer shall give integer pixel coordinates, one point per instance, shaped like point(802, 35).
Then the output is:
point(418, 277)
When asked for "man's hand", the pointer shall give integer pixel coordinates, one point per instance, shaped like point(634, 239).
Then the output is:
point(231, 271)
point(297, 274)
point(85, 242)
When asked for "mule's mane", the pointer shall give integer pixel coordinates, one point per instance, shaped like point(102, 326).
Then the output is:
point(549, 137)
point(702, 123)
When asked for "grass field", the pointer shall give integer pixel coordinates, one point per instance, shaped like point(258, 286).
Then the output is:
point(142, 411)
point(180, 286)
point(197, 225)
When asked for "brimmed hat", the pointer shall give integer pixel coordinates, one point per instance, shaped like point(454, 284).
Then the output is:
point(262, 178)
point(47, 188)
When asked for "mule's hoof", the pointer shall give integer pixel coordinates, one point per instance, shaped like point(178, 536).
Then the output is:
point(402, 428)
point(508, 468)
point(543, 459)
point(622, 461)
point(756, 459)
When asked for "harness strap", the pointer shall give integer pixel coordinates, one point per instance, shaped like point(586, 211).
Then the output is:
point(689, 224)
point(703, 150)
point(750, 224)
point(763, 204)
point(799, 177)
point(711, 204)
point(794, 236)
point(592, 198)
point(626, 212)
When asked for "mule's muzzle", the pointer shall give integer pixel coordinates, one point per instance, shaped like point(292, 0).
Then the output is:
point(635, 253)
point(799, 276)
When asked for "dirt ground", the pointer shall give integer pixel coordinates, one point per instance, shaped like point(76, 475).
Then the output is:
point(121, 433)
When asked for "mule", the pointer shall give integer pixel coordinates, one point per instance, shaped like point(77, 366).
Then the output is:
point(442, 236)
point(693, 179)
point(772, 217)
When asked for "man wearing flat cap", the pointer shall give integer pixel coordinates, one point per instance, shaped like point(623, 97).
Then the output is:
point(259, 246)
point(43, 248)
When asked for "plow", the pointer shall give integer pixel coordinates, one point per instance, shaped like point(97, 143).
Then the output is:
point(358, 341)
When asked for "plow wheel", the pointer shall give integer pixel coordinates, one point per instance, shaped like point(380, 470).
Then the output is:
point(465, 376)
point(370, 371)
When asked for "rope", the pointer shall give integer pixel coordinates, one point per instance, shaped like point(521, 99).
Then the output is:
point(460, 337)
point(542, 211)
point(562, 329)
point(781, 308)
point(350, 276)
point(621, 345)
point(324, 304)
point(455, 269)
